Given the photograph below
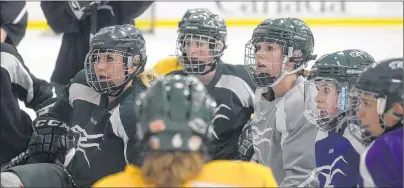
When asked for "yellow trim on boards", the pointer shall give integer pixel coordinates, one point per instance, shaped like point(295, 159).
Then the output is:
point(173, 23)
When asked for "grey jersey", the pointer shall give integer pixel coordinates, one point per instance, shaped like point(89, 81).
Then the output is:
point(283, 138)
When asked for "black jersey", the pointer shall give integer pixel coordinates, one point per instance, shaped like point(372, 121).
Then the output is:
point(14, 20)
point(233, 91)
point(102, 146)
point(17, 83)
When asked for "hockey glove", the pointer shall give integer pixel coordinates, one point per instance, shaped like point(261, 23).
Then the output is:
point(49, 142)
point(245, 143)
point(45, 107)
point(81, 9)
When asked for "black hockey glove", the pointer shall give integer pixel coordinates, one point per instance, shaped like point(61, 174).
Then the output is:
point(49, 142)
point(44, 107)
point(81, 9)
point(245, 143)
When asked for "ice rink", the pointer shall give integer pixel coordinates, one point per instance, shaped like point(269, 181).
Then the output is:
point(40, 52)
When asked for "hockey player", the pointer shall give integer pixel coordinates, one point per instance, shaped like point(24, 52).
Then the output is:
point(17, 83)
point(171, 64)
point(97, 109)
point(337, 151)
point(281, 136)
point(377, 102)
point(175, 124)
point(200, 45)
point(78, 21)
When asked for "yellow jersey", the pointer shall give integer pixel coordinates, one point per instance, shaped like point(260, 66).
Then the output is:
point(219, 173)
point(167, 65)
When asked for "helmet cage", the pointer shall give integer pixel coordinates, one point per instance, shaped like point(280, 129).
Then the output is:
point(110, 79)
point(262, 76)
point(358, 97)
point(191, 52)
point(321, 117)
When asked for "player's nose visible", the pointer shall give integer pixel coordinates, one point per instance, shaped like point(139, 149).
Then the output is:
point(317, 99)
point(103, 67)
point(194, 51)
point(360, 112)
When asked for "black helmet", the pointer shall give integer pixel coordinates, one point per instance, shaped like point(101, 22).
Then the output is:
point(200, 27)
point(383, 82)
point(337, 72)
point(295, 40)
point(120, 44)
point(175, 114)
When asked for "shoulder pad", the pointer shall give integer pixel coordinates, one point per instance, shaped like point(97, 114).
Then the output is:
point(239, 71)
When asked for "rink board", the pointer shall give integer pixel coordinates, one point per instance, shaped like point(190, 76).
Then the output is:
point(249, 14)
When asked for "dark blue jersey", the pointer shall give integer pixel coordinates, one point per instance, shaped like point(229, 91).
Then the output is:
point(337, 158)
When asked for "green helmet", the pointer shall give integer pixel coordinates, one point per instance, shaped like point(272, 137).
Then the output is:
point(200, 26)
point(191, 12)
point(292, 35)
point(175, 114)
point(342, 66)
point(333, 75)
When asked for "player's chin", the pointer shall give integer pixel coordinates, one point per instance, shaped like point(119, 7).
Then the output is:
point(273, 73)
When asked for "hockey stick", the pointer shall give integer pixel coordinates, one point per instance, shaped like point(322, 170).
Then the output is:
point(15, 161)
point(24, 156)
point(93, 21)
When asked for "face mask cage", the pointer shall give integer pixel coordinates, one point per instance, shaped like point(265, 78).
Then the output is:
point(198, 53)
point(265, 60)
point(357, 98)
point(107, 70)
point(332, 99)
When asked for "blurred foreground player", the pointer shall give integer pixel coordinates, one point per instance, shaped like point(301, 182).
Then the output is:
point(376, 118)
point(337, 151)
point(78, 21)
point(13, 21)
point(174, 130)
point(202, 39)
point(17, 83)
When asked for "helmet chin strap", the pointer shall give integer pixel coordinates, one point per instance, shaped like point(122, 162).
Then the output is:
point(121, 88)
point(212, 68)
point(286, 73)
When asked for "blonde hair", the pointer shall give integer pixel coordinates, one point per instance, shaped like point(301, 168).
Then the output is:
point(171, 169)
point(147, 77)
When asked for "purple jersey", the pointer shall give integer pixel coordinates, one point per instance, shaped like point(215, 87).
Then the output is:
point(382, 163)
point(337, 158)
